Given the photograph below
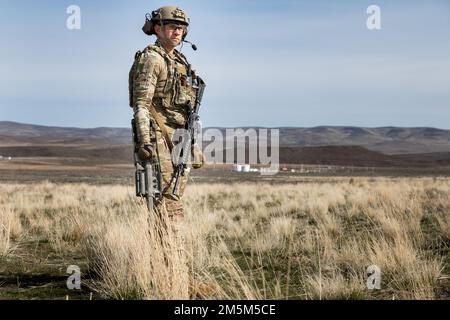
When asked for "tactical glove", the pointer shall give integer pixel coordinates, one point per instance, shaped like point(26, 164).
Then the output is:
point(197, 156)
point(145, 151)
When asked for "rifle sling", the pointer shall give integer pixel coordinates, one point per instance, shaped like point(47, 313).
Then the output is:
point(161, 125)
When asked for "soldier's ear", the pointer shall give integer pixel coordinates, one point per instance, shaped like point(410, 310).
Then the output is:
point(157, 26)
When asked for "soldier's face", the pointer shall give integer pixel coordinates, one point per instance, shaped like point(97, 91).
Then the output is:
point(170, 34)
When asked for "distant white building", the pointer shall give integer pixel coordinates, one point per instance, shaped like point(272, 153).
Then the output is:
point(268, 170)
point(241, 168)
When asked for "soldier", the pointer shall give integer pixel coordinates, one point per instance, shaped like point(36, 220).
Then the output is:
point(161, 83)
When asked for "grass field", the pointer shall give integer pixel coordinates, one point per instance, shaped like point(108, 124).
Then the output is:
point(311, 240)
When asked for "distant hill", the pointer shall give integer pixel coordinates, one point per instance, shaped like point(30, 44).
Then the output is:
point(386, 146)
point(388, 140)
point(13, 132)
point(359, 156)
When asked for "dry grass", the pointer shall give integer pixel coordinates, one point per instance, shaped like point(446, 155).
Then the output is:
point(136, 258)
point(245, 241)
point(10, 230)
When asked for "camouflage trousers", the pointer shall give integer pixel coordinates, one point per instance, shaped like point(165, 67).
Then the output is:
point(170, 205)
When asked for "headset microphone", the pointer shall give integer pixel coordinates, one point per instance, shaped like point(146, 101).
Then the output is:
point(194, 47)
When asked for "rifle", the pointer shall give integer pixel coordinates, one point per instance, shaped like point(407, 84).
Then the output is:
point(192, 126)
point(148, 174)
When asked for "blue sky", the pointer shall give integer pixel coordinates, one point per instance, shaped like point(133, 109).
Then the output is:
point(266, 63)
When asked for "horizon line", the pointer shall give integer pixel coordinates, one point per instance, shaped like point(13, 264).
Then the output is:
point(243, 127)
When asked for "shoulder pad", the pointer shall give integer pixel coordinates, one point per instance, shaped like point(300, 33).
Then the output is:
point(155, 49)
point(147, 52)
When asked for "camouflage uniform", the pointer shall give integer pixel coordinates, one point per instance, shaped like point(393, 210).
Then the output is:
point(161, 79)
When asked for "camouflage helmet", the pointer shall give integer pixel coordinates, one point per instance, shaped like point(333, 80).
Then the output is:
point(166, 14)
